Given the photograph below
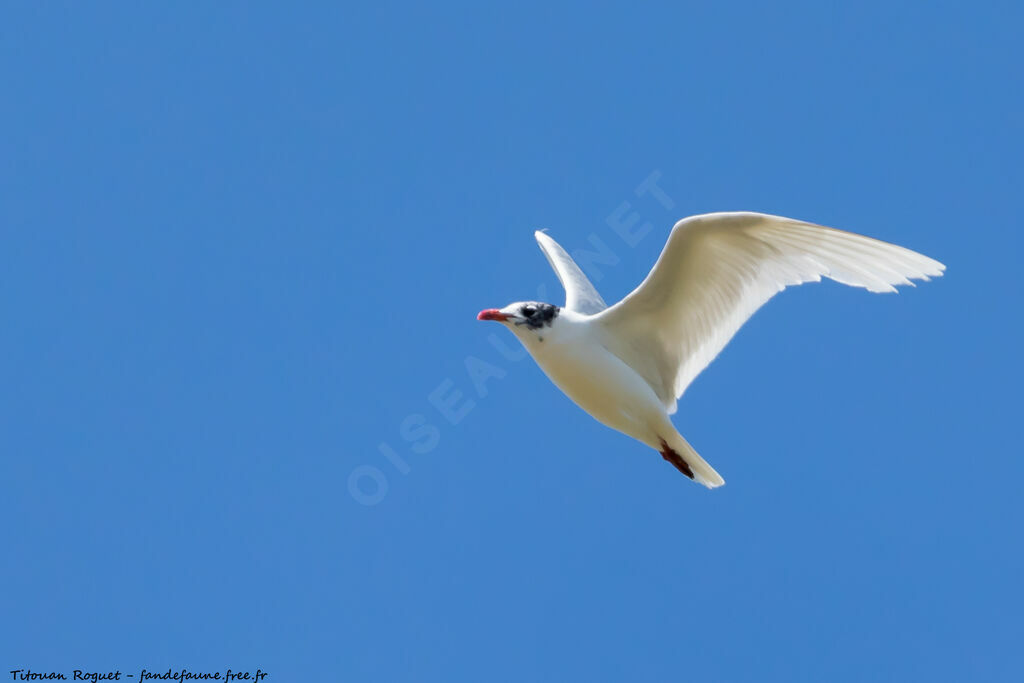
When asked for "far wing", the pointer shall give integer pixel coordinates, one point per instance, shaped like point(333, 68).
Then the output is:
point(717, 269)
point(580, 295)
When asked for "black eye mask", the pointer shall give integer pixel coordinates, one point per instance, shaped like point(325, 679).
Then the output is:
point(537, 316)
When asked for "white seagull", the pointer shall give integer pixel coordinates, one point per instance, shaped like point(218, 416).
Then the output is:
point(627, 364)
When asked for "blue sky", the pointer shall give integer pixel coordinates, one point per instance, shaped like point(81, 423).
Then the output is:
point(243, 246)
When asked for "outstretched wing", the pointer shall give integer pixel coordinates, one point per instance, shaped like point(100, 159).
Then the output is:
point(580, 295)
point(718, 269)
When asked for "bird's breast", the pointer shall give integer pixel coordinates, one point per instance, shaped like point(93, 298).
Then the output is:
point(598, 382)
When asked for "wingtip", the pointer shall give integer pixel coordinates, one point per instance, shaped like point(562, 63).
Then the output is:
point(544, 239)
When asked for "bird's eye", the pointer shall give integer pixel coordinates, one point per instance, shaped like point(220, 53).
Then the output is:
point(528, 311)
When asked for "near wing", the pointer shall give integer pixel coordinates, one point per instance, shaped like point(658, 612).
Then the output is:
point(580, 295)
point(717, 269)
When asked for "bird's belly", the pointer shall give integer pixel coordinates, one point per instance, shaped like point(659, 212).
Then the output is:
point(601, 384)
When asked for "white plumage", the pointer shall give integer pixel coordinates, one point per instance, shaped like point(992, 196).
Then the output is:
point(628, 364)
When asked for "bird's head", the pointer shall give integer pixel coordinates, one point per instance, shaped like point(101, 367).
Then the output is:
point(523, 317)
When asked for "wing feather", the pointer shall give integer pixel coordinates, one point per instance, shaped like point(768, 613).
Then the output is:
point(580, 295)
point(717, 269)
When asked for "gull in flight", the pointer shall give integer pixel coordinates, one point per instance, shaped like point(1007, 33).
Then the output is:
point(627, 364)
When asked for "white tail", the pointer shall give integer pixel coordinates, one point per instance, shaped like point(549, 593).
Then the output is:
point(680, 453)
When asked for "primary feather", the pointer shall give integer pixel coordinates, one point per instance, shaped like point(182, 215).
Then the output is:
point(580, 295)
point(717, 269)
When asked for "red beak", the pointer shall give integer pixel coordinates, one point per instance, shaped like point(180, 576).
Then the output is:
point(491, 314)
